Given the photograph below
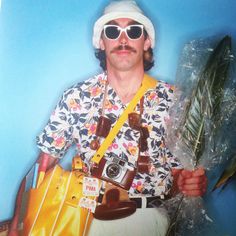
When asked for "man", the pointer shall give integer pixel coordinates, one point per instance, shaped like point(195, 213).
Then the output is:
point(124, 38)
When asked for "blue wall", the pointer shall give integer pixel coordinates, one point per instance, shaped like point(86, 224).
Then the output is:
point(45, 46)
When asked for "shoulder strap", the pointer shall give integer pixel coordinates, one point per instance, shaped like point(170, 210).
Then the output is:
point(147, 83)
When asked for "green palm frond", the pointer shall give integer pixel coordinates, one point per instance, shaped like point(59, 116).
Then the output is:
point(206, 99)
point(227, 173)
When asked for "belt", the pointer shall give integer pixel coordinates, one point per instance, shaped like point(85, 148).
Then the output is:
point(147, 202)
point(142, 202)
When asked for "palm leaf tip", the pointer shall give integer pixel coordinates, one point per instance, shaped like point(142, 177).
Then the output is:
point(206, 99)
point(229, 172)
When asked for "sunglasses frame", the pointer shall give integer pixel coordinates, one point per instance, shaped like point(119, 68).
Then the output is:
point(121, 30)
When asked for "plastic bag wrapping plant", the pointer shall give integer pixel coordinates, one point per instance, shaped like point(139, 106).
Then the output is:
point(203, 111)
point(203, 98)
point(190, 216)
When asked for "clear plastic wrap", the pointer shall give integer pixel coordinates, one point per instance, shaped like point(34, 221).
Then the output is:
point(203, 112)
point(192, 103)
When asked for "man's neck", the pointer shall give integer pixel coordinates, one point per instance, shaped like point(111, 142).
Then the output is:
point(125, 83)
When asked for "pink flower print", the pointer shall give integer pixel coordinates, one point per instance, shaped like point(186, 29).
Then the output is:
point(95, 91)
point(130, 148)
point(101, 80)
point(115, 107)
point(91, 128)
point(110, 147)
point(152, 96)
point(137, 186)
point(109, 106)
point(59, 141)
point(113, 146)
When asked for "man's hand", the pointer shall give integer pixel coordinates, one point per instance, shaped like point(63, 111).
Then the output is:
point(192, 183)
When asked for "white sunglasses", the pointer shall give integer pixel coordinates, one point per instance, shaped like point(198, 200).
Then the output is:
point(114, 31)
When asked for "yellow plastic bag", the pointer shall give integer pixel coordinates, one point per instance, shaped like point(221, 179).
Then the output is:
point(53, 208)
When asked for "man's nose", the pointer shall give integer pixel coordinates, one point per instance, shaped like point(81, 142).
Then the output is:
point(123, 38)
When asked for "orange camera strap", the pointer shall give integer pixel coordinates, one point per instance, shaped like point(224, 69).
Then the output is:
point(147, 83)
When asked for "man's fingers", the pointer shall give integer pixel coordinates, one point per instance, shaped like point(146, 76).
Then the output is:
point(186, 173)
point(195, 180)
point(198, 172)
point(192, 183)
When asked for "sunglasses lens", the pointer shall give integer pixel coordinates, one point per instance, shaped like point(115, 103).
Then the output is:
point(112, 32)
point(134, 31)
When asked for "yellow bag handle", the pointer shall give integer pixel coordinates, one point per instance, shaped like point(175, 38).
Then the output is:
point(147, 83)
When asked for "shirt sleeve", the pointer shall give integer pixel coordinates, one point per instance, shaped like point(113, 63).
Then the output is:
point(56, 137)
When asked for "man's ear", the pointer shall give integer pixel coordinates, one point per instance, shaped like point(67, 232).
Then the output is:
point(147, 44)
point(101, 43)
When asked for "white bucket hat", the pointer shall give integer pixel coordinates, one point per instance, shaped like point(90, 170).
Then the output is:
point(122, 9)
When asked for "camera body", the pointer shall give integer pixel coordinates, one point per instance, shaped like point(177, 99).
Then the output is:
point(115, 171)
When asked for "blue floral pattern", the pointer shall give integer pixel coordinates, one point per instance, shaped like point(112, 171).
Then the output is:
point(75, 117)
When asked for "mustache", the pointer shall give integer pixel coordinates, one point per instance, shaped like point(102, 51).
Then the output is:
point(123, 47)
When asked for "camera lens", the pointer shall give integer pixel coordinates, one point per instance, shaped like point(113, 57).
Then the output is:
point(113, 171)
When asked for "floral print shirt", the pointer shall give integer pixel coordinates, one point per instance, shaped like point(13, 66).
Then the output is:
point(75, 117)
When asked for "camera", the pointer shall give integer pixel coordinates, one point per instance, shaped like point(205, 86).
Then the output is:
point(116, 171)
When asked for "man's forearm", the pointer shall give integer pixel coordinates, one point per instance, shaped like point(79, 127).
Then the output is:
point(52, 161)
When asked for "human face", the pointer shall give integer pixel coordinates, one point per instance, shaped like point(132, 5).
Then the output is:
point(123, 53)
